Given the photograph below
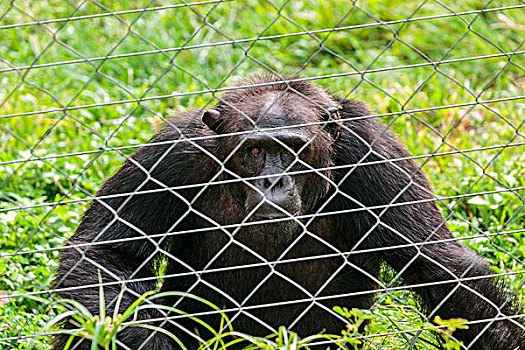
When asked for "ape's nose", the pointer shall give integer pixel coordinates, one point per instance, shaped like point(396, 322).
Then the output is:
point(275, 183)
point(279, 191)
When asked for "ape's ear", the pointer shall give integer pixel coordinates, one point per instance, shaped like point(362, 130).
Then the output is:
point(353, 108)
point(332, 116)
point(212, 118)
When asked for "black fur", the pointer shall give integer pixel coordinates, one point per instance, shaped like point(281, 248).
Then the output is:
point(343, 147)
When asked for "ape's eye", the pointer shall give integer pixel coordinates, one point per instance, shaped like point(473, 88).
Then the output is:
point(290, 150)
point(254, 151)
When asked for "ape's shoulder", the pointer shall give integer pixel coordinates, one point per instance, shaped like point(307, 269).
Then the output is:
point(364, 135)
point(181, 147)
point(186, 125)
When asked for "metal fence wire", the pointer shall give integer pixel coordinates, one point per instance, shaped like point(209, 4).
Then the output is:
point(254, 191)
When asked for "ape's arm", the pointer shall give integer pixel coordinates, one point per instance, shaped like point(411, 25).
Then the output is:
point(446, 275)
point(128, 221)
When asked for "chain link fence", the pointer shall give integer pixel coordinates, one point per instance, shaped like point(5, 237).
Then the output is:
point(85, 85)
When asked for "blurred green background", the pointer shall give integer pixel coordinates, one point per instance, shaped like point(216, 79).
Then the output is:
point(449, 55)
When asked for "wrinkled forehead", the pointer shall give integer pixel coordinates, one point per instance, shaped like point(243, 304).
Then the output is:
point(283, 110)
point(287, 118)
point(289, 136)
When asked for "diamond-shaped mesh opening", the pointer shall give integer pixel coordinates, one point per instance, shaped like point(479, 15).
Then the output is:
point(139, 168)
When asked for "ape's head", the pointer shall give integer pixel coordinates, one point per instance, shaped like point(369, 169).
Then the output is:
point(282, 138)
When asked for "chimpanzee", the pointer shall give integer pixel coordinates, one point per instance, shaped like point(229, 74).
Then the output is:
point(276, 204)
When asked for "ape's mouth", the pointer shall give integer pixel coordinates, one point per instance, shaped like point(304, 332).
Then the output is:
point(268, 211)
point(262, 215)
point(271, 216)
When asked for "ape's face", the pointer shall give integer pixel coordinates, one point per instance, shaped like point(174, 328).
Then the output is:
point(273, 158)
point(278, 183)
point(277, 161)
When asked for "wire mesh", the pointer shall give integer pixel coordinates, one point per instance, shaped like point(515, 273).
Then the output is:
point(86, 84)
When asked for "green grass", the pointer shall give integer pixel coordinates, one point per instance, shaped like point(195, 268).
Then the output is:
point(345, 52)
